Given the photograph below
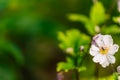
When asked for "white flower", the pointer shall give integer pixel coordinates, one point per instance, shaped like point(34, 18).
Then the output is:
point(103, 49)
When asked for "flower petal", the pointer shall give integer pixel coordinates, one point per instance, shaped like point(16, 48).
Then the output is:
point(111, 59)
point(99, 41)
point(94, 50)
point(113, 49)
point(97, 36)
point(108, 41)
point(93, 47)
point(104, 59)
point(98, 58)
point(105, 64)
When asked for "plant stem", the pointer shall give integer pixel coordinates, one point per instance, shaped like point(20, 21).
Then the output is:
point(77, 74)
point(96, 71)
point(76, 69)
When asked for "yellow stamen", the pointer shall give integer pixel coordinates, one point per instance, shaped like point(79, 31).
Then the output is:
point(103, 50)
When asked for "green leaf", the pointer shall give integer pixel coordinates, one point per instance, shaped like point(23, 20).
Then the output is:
point(113, 29)
point(82, 18)
point(116, 19)
point(78, 17)
point(97, 13)
point(82, 68)
point(73, 39)
point(90, 27)
point(65, 65)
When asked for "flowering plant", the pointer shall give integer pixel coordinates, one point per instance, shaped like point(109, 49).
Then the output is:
point(77, 45)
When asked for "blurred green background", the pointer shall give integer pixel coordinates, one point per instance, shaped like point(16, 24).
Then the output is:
point(28, 35)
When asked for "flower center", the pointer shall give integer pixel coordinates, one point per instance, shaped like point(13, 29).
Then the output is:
point(103, 50)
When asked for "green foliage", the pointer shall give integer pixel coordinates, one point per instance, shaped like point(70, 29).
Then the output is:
point(73, 39)
point(112, 29)
point(97, 13)
point(69, 65)
point(116, 19)
point(82, 68)
point(65, 66)
point(78, 17)
point(86, 21)
point(97, 17)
